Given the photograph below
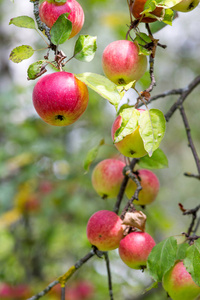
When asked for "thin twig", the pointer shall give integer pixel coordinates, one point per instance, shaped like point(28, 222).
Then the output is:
point(192, 212)
point(192, 175)
point(182, 98)
point(189, 137)
point(109, 275)
point(129, 205)
point(197, 226)
point(63, 293)
point(45, 291)
point(63, 279)
point(123, 187)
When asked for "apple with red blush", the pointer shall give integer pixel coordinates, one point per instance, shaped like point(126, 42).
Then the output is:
point(105, 230)
point(122, 63)
point(107, 177)
point(179, 284)
point(135, 248)
point(137, 7)
point(60, 98)
point(50, 10)
point(150, 187)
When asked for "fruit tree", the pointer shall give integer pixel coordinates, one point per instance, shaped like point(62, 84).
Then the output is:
point(99, 189)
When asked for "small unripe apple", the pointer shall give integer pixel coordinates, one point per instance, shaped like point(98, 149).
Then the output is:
point(135, 248)
point(107, 177)
point(60, 98)
point(132, 145)
point(150, 187)
point(50, 10)
point(122, 63)
point(138, 7)
point(186, 5)
point(179, 283)
point(104, 230)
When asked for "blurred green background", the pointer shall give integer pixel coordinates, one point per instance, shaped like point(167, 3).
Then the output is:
point(46, 197)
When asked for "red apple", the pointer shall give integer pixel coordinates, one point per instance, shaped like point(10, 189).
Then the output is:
point(179, 284)
point(150, 187)
point(135, 248)
point(107, 177)
point(104, 230)
point(186, 5)
point(82, 290)
point(60, 98)
point(138, 7)
point(132, 145)
point(32, 203)
point(50, 10)
point(8, 291)
point(122, 63)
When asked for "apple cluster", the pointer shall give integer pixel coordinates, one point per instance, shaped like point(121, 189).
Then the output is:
point(107, 177)
point(106, 232)
point(105, 229)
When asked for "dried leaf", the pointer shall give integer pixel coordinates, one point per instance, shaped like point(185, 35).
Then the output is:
point(135, 219)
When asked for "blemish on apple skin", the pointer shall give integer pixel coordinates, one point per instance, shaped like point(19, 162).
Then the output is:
point(191, 6)
point(121, 81)
point(59, 117)
point(105, 196)
point(132, 152)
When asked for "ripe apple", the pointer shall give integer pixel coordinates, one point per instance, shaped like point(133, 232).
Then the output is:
point(138, 7)
point(186, 5)
point(104, 230)
point(50, 10)
point(122, 63)
point(80, 290)
point(60, 98)
point(132, 145)
point(107, 177)
point(150, 187)
point(8, 291)
point(32, 203)
point(179, 284)
point(135, 248)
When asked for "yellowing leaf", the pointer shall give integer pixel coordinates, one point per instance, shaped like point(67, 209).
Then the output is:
point(10, 217)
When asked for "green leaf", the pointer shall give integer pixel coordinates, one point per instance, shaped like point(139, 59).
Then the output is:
point(192, 261)
point(23, 21)
point(61, 30)
point(20, 53)
point(85, 48)
point(92, 154)
point(152, 129)
point(158, 160)
point(35, 68)
point(129, 123)
point(168, 17)
point(102, 85)
point(142, 39)
point(162, 258)
point(181, 251)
